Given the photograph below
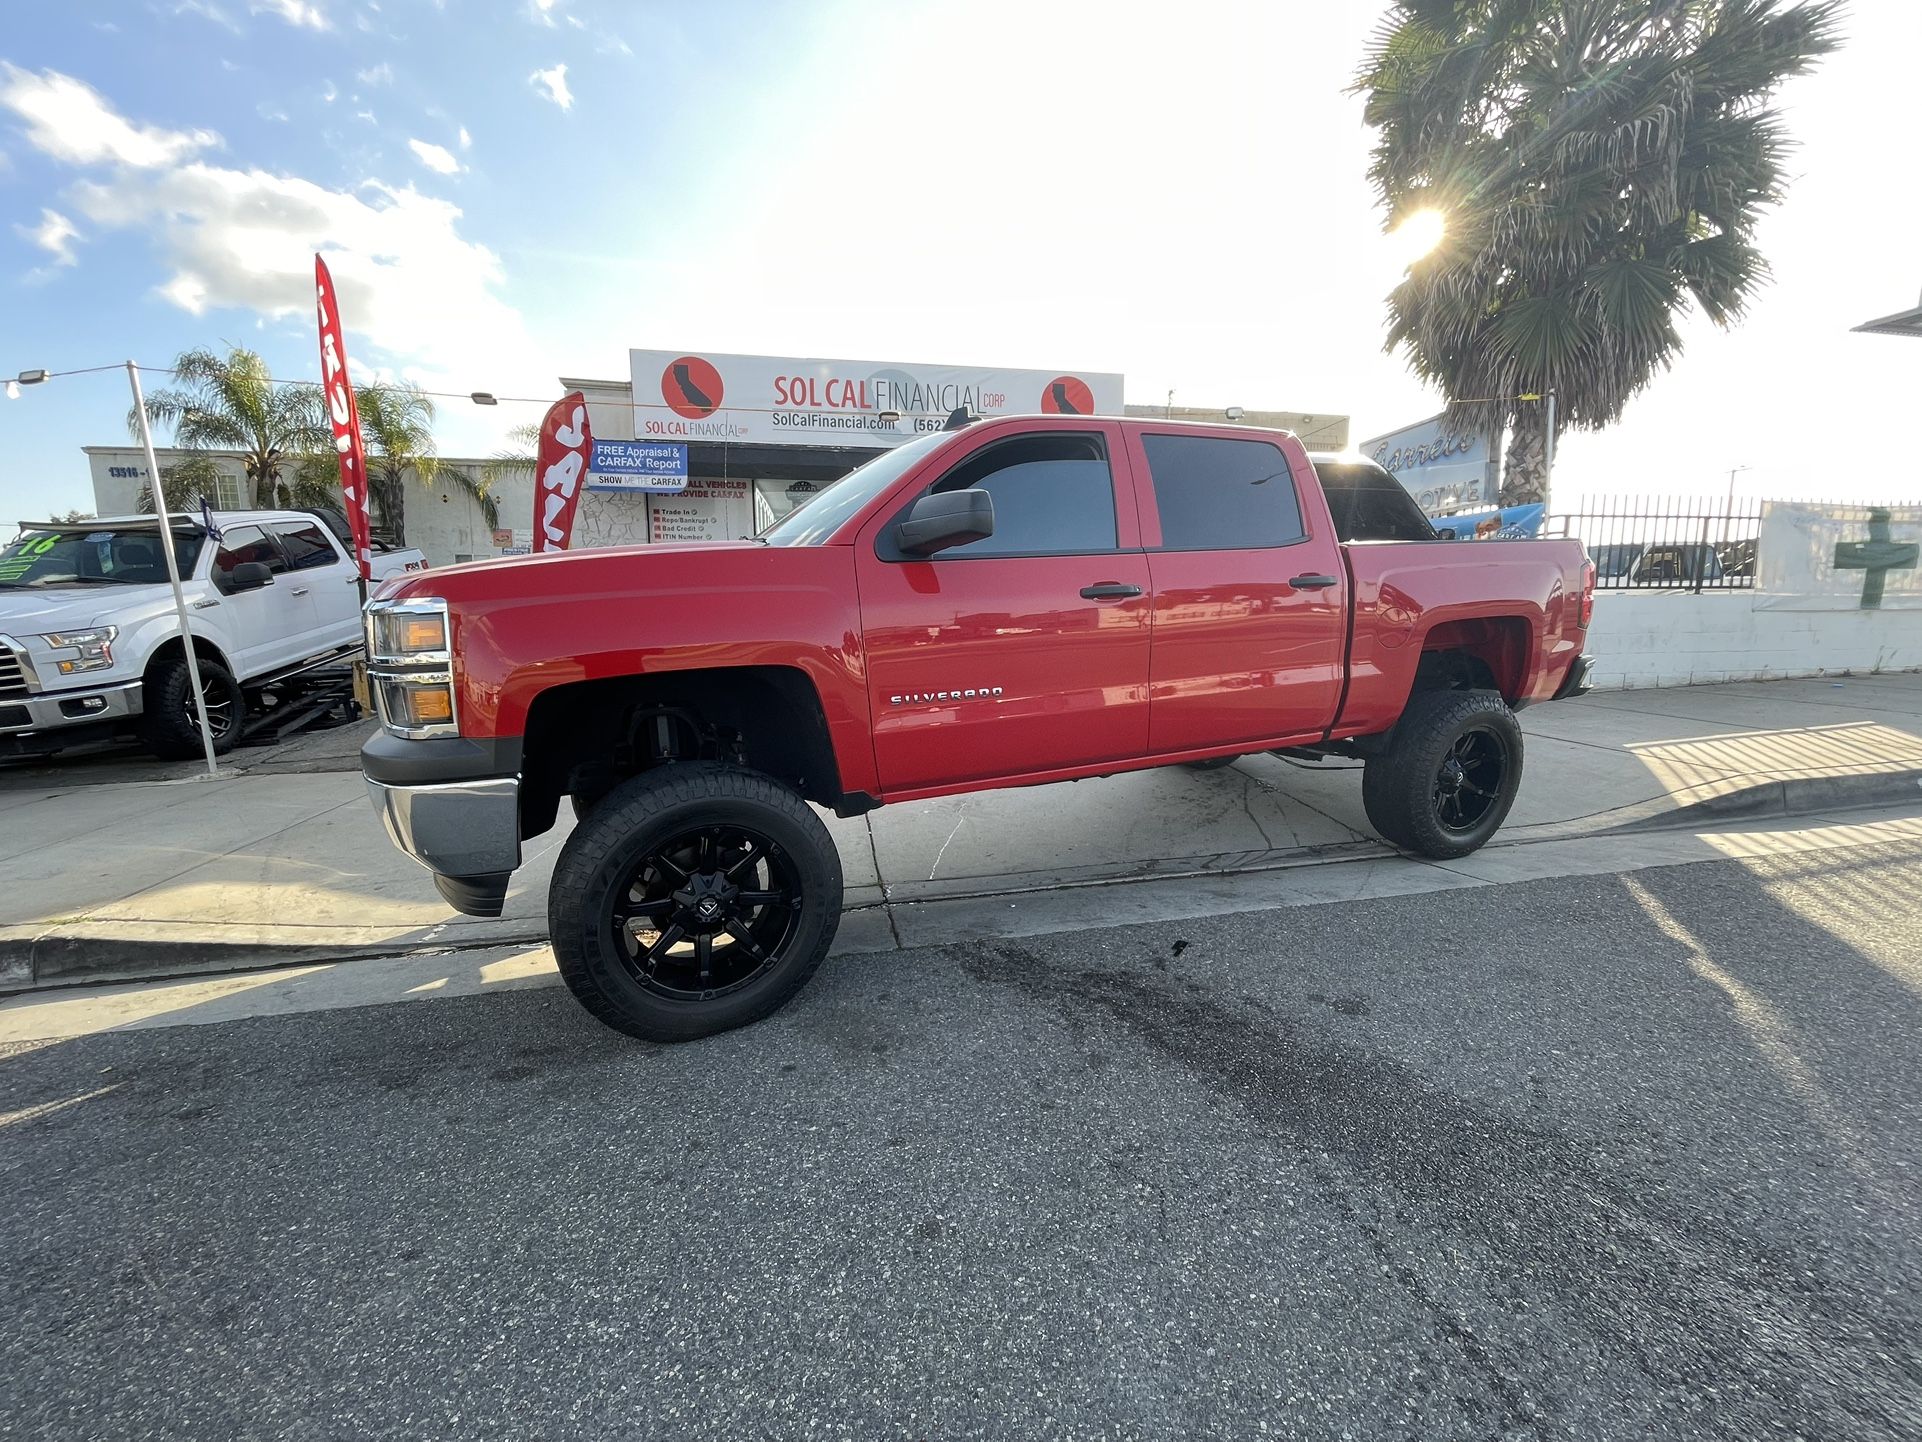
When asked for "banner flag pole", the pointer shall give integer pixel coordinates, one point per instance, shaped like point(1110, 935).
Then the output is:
point(173, 570)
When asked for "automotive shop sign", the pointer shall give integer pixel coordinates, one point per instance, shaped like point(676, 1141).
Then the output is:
point(1444, 470)
point(659, 467)
point(705, 396)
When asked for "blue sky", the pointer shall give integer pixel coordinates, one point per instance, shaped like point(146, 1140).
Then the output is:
point(515, 190)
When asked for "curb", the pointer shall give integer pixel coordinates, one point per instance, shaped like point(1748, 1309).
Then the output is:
point(1788, 796)
point(51, 962)
point(64, 960)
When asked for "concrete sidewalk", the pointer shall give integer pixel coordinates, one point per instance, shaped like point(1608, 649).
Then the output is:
point(274, 866)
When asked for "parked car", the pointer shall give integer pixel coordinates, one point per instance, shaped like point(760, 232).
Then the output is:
point(90, 635)
point(1011, 602)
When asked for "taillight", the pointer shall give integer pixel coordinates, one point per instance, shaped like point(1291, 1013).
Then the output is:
point(1588, 593)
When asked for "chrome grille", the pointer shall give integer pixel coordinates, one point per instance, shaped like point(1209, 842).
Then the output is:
point(13, 680)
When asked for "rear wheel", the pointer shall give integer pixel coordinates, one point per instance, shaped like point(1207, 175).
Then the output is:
point(693, 899)
point(1448, 779)
point(169, 723)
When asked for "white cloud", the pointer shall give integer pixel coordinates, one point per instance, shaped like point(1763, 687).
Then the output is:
point(577, 22)
point(329, 92)
point(366, 115)
point(553, 84)
point(71, 121)
point(612, 44)
point(294, 12)
point(271, 112)
point(55, 234)
point(435, 157)
point(466, 140)
point(105, 27)
point(409, 280)
point(207, 10)
point(541, 12)
point(381, 74)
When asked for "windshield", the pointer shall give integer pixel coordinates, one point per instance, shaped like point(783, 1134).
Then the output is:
point(814, 520)
point(93, 558)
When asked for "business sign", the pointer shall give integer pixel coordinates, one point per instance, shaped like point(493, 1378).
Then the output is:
point(1839, 558)
point(656, 466)
point(710, 509)
point(1445, 470)
point(683, 396)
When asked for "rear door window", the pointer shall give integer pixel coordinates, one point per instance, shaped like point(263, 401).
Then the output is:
point(1216, 494)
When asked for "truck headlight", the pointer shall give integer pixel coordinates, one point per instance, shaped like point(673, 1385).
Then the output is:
point(94, 648)
point(416, 705)
point(410, 665)
point(407, 631)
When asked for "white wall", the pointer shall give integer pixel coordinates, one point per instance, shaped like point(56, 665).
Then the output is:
point(1675, 638)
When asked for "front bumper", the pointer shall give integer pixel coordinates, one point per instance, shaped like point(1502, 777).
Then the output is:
point(466, 832)
point(50, 710)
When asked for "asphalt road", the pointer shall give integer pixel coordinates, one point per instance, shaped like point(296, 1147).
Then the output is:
point(1601, 1157)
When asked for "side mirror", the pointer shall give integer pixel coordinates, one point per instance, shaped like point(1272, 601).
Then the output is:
point(948, 518)
point(249, 576)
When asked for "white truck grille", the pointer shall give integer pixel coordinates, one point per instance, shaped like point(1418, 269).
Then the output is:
point(13, 680)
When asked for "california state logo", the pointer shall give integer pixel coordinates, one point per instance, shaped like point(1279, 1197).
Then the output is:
point(691, 387)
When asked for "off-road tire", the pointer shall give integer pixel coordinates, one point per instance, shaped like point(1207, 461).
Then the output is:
point(1400, 786)
point(169, 726)
point(623, 827)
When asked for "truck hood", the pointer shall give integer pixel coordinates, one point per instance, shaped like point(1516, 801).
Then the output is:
point(711, 565)
point(29, 612)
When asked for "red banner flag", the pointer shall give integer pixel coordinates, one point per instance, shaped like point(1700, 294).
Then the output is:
point(344, 414)
point(560, 469)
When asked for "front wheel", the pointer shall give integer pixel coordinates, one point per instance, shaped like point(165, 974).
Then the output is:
point(693, 899)
point(169, 721)
point(1450, 775)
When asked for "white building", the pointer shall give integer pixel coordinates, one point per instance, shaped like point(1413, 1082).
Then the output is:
point(761, 434)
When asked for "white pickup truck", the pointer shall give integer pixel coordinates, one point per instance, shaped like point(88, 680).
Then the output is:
point(90, 637)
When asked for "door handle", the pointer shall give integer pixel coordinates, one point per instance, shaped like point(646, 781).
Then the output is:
point(300, 590)
point(203, 602)
point(1313, 583)
point(1109, 591)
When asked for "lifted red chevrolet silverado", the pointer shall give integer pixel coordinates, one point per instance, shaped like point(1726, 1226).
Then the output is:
point(1005, 603)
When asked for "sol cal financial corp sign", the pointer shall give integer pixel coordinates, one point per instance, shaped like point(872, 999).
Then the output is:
point(706, 396)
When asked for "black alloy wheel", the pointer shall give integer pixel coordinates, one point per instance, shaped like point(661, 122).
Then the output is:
point(691, 899)
point(705, 911)
point(1468, 783)
point(1448, 776)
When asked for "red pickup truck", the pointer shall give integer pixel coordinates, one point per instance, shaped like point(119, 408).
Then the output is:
point(1004, 603)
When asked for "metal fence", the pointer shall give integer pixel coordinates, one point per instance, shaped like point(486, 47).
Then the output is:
point(1661, 543)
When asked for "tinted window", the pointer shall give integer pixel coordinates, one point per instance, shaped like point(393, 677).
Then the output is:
point(1052, 496)
point(1218, 495)
point(306, 547)
point(245, 543)
point(1368, 504)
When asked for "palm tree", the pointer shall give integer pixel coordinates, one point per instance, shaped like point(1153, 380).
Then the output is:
point(232, 404)
point(397, 428)
point(519, 454)
point(1600, 166)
